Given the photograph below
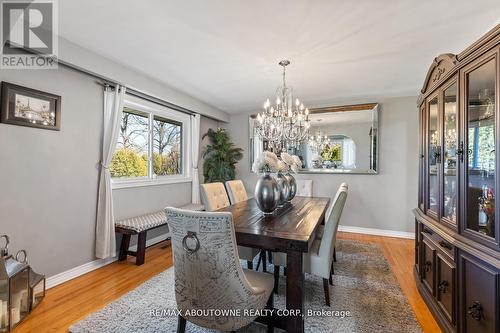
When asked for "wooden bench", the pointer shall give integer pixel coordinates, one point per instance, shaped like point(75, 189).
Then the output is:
point(140, 225)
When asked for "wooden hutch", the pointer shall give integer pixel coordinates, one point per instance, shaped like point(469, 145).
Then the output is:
point(457, 257)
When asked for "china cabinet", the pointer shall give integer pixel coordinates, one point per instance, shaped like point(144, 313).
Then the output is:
point(457, 228)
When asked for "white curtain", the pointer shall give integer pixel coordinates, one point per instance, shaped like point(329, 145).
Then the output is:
point(195, 149)
point(105, 244)
point(348, 154)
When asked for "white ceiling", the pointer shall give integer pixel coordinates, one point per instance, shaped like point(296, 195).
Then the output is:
point(225, 53)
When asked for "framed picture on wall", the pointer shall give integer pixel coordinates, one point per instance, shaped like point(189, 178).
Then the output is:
point(29, 107)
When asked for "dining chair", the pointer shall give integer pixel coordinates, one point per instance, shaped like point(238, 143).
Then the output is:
point(236, 191)
point(304, 188)
point(321, 228)
point(208, 274)
point(319, 260)
point(214, 196)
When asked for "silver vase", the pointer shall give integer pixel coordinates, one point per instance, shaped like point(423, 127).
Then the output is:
point(293, 186)
point(267, 193)
point(283, 187)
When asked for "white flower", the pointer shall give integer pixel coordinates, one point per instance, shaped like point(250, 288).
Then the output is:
point(287, 158)
point(297, 160)
point(270, 155)
point(282, 166)
point(295, 168)
point(270, 164)
point(267, 162)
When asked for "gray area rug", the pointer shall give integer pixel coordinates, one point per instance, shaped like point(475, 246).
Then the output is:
point(363, 285)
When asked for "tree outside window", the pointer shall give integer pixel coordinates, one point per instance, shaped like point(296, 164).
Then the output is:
point(136, 141)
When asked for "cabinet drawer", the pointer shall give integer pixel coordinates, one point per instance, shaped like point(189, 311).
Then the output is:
point(445, 286)
point(479, 287)
point(428, 264)
point(440, 242)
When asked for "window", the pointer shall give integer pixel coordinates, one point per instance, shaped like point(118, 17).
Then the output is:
point(152, 146)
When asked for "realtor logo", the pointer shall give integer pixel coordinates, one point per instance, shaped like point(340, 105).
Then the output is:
point(29, 34)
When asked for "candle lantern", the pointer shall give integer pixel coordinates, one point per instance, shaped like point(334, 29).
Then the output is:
point(37, 288)
point(14, 279)
point(21, 289)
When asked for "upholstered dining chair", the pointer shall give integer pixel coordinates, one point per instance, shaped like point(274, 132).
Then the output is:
point(319, 260)
point(321, 228)
point(208, 274)
point(214, 196)
point(304, 188)
point(236, 191)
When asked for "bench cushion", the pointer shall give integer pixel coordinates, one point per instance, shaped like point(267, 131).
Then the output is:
point(143, 222)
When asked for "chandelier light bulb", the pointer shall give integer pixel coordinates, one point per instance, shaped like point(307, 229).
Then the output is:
point(278, 101)
point(297, 102)
point(307, 111)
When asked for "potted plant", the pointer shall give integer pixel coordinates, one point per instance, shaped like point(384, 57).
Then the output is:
point(220, 157)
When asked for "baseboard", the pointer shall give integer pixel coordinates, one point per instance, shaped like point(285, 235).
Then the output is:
point(75, 272)
point(377, 232)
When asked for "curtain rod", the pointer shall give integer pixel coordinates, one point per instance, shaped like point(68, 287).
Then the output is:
point(131, 91)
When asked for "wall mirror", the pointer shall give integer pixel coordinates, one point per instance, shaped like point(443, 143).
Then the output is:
point(342, 139)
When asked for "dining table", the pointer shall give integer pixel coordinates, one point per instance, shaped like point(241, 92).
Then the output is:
point(291, 229)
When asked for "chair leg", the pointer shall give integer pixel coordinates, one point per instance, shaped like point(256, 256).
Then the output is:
point(284, 271)
point(276, 278)
point(326, 287)
point(263, 259)
point(270, 256)
point(334, 254)
point(124, 247)
point(331, 275)
point(270, 305)
point(249, 264)
point(181, 324)
point(141, 248)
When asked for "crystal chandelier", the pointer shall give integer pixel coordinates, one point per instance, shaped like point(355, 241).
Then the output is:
point(286, 123)
point(318, 142)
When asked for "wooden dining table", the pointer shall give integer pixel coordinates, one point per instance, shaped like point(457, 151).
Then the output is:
point(290, 230)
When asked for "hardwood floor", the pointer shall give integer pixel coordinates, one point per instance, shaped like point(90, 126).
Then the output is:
point(75, 299)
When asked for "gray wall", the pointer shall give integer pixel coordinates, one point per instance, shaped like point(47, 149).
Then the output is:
point(48, 179)
point(382, 201)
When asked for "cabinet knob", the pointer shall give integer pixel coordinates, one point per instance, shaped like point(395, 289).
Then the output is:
point(476, 310)
point(427, 231)
point(428, 266)
point(446, 245)
point(443, 286)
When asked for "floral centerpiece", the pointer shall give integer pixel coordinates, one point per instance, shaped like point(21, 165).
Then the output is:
point(267, 162)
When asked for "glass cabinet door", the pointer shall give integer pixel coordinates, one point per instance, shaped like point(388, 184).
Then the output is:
point(480, 168)
point(450, 145)
point(433, 157)
point(421, 162)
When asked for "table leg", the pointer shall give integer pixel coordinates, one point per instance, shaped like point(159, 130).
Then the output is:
point(295, 292)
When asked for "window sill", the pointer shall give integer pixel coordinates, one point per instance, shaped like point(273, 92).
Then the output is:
point(120, 184)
